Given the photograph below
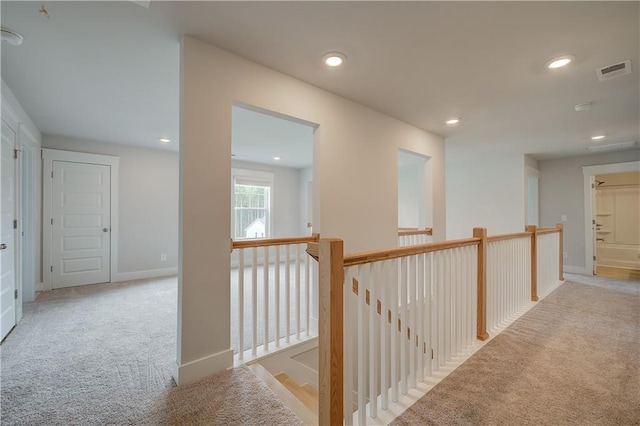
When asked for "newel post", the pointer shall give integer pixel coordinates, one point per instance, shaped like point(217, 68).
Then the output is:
point(560, 229)
point(534, 262)
point(330, 329)
point(482, 283)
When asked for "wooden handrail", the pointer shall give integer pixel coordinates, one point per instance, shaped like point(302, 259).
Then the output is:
point(542, 231)
point(394, 253)
point(262, 242)
point(508, 236)
point(402, 232)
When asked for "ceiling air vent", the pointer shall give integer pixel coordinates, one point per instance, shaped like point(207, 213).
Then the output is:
point(613, 71)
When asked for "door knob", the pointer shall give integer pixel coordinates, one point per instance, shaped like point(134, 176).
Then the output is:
point(3, 246)
point(105, 229)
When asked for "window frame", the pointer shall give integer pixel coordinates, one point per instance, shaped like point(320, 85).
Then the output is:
point(259, 178)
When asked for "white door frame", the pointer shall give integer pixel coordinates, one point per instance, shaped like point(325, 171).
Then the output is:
point(589, 173)
point(48, 157)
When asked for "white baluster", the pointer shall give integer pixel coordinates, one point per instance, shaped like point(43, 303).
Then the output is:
point(404, 322)
point(254, 301)
point(421, 311)
point(413, 306)
point(361, 360)
point(373, 277)
point(277, 295)
point(297, 292)
point(287, 292)
point(241, 304)
point(265, 297)
point(348, 345)
point(427, 312)
point(384, 335)
point(394, 332)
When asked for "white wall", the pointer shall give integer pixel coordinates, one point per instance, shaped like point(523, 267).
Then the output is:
point(562, 193)
point(355, 182)
point(148, 205)
point(485, 188)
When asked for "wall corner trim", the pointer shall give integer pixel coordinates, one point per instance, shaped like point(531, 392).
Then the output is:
point(203, 367)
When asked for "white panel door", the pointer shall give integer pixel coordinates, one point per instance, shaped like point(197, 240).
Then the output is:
point(7, 233)
point(81, 237)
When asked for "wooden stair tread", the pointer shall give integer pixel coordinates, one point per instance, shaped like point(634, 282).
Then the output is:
point(308, 416)
point(306, 393)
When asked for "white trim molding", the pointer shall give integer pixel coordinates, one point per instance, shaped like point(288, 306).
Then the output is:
point(203, 367)
point(589, 173)
point(141, 275)
point(48, 157)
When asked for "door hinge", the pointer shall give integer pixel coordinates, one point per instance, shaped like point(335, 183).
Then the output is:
point(15, 223)
point(51, 174)
point(52, 221)
point(593, 185)
point(51, 268)
point(15, 154)
point(594, 258)
point(15, 294)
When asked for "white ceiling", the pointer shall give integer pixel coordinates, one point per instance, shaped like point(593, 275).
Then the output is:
point(109, 71)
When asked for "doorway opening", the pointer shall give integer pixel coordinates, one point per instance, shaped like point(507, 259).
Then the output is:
point(617, 228)
point(604, 229)
point(273, 292)
point(414, 195)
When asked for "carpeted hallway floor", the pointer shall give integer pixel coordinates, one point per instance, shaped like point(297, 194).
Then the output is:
point(78, 358)
point(574, 359)
point(103, 354)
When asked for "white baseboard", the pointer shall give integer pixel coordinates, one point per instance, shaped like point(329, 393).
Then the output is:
point(577, 270)
point(203, 367)
point(39, 287)
point(140, 275)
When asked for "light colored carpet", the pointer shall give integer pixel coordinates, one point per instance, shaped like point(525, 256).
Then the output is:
point(103, 354)
point(574, 359)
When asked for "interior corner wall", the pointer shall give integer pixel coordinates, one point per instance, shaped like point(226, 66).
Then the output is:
point(148, 206)
point(562, 193)
point(355, 182)
point(30, 136)
point(485, 188)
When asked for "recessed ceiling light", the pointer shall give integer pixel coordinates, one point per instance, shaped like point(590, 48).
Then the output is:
point(559, 62)
point(165, 140)
point(276, 158)
point(334, 59)
point(597, 138)
point(453, 121)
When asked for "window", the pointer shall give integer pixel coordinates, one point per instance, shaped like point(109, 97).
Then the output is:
point(251, 203)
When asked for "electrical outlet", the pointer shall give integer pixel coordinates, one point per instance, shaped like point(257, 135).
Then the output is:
point(563, 217)
point(163, 257)
point(564, 255)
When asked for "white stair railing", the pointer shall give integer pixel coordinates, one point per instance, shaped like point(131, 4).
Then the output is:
point(412, 237)
point(404, 318)
point(271, 295)
point(547, 255)
point(508, 276)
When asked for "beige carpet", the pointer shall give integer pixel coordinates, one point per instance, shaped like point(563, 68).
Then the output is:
point(103, 355)
point(574, 359)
